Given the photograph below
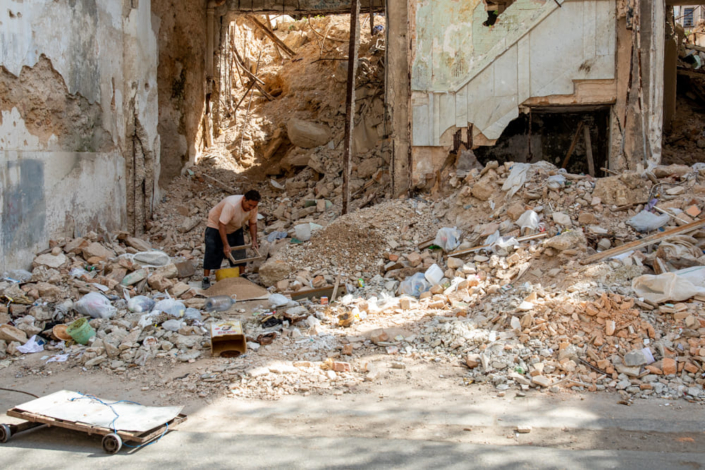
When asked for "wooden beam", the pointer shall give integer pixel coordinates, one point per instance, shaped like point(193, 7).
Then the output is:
point(267, 32)
point(477, 248)
point(372, 20)
point(350, 99)
point(572, 145)
point(650, 240)
point(588, 151)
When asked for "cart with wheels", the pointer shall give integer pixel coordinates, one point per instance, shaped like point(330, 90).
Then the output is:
point(114, 437)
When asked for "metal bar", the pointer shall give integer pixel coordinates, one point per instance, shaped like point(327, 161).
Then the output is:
point(350, 99)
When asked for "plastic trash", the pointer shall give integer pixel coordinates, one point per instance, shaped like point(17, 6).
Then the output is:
point(77, 272)
point(674, 287)
point(556, 182)
point(434, 274)
point(492, 239)
point(148, 319)
point(415, 285)
point(516, 179)
point(219, 303)
point(151, 259)
point(193, 314)
point(528, 219)
point(171, 307)
point(81, 331)
point(503, 243)
point(278, 300)
point(95, 305)
point(172, 325)
point(303, 232)
point(134, 277)
point(448, 238)
point(17, 275)
point(648, 222)
point(274, 236)
point(33, 345)
point(140, 304)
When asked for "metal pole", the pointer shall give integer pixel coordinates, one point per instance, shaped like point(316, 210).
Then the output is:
point(350, 99)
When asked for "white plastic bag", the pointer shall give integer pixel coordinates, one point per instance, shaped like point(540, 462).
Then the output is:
point(95, 305)
point(676, 287)
point(147, 319)
point(19, 275)
point(448, 238)
point(492, 238)
point(33, 345)
point(528, 219)
point(150, 259)
point(171, 307)
point(172, 325)
point(556, 182)
point(193, 314)
point(140, 304)
point(278, 300)
point(303, 232)
point(516, 179)
point(503, 243)
point(645, 221)
point(415, 285)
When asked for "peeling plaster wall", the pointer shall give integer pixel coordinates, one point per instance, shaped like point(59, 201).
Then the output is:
point(466, 73)
point(75, 77)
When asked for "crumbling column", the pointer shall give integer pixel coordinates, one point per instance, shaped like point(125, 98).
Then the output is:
point(398, 92)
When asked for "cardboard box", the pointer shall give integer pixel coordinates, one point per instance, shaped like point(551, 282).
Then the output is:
point(227, 339)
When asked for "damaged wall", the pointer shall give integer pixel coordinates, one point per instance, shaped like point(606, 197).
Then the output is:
point(181, 81)
point(537, 53)
point(76, 78)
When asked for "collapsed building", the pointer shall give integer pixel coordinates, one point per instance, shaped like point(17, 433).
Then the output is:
point(103, 103)
point(527, 136)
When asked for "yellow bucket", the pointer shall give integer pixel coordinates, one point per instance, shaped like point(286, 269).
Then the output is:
point(226, 273)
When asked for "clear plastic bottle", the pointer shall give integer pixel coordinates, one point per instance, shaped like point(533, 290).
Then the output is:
point(219, 303)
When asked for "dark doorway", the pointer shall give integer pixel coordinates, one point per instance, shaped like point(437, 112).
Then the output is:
point(553, 130)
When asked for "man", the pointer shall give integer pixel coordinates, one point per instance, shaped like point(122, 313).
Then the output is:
point(225, 230)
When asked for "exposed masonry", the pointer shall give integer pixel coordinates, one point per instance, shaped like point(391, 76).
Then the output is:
point(69, 122)
point(139, 162)
point(43, 100)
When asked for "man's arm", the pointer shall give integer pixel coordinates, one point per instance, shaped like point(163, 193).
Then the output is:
point(224, 237)
point(253, 235)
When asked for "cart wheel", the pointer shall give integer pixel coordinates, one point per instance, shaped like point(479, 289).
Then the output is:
point(5, 433)
point(112, 443)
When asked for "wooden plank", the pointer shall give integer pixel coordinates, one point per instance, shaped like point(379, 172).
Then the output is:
point(588, 151)
point(477, 248)
point(572, 145)
point(277, 42)
point(350, 99)
point(650, 240)
point(139, 437)
point(335, 289)
point(321, 291)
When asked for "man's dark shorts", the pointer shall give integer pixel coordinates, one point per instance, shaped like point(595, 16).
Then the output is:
point(213, 258)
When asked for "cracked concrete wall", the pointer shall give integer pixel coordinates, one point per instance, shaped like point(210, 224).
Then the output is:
point(75, 76)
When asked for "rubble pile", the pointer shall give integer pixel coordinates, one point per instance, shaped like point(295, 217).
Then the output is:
point(358, 245)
